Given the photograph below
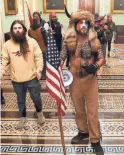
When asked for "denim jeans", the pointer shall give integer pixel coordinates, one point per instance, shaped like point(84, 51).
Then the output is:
point(34, 89)
point(103, 46)
point(109, 44)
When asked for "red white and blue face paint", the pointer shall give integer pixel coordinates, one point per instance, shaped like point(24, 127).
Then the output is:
point(82, 26)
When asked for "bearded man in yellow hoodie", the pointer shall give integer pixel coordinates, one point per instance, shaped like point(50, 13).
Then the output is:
point(24, 57)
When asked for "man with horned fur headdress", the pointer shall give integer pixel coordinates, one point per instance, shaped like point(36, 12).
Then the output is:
point(86, 58)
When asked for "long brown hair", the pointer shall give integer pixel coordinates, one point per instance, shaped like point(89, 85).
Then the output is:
point(24, 47)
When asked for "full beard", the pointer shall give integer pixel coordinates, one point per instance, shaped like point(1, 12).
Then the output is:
point(21, 39)
point(53, 23)
point(54, 20)
point(83, 32)
point(18, 37)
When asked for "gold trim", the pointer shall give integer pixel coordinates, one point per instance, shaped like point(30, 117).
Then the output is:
point(48, 11)
point(10, 12)
point(115, 11)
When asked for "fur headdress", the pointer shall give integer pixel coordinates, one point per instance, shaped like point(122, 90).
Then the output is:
point(71, 36)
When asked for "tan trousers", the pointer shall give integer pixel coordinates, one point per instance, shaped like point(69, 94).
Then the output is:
point(84, 94)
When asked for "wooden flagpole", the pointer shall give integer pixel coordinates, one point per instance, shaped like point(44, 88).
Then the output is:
point(23, 8)
point(61, 131)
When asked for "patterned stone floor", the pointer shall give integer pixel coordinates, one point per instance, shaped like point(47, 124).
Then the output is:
point(108, 102)
point(53, 149)
point(115, 82)
point(34, 139)
point(109, 129)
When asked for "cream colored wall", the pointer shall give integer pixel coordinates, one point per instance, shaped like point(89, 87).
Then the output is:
point(1, 30)
point(104, 8)
point(117, 18)
point(7, 20)
point(72, 6)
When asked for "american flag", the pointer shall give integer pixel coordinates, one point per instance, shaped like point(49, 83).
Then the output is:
point(54, 76)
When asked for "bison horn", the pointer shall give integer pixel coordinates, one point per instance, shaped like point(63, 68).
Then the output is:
point(66, 11)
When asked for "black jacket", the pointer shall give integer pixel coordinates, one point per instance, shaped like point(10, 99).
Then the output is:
point(101, 34)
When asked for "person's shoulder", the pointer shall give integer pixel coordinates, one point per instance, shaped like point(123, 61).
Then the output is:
point(8, 42)
point(31, 41)
point(30, 28)
point(44, 21)
point(48, 22)
point(46, 26)
point(58, 23)
point(42, 28)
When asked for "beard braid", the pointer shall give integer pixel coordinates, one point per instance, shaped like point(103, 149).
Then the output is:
point(21, 39)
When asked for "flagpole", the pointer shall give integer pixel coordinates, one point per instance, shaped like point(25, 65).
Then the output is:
point(61, 130)
point(23, 7)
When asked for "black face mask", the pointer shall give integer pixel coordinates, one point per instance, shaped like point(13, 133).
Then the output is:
point(35, 24)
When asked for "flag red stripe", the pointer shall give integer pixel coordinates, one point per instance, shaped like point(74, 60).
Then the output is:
point(56, 86)
point(52, 73)
point(52, 83)
point(59, 100)
point(57, 78)
point(54, 95)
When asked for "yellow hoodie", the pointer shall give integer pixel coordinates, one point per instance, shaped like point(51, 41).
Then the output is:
point(21, 70)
